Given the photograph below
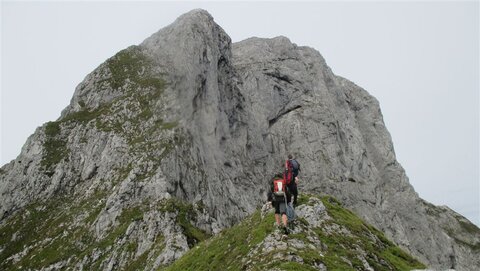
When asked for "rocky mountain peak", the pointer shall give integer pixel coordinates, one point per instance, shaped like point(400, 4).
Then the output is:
point(175, 139)
point(196, 15)
point(191, 30)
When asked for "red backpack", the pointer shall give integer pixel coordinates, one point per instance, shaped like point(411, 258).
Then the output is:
point(288, 174)
point(279, 187)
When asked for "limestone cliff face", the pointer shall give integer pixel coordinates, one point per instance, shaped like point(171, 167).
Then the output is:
point(187, 115)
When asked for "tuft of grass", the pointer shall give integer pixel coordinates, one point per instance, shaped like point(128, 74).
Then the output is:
point(130, 65)
point(226, 250)
point(339, 246)
point(468, 226)
point(294, 266)
point(128, 216)
point(137, 264)
point(343, 216)
point(474, 246)
point(85, 116)
point(400, 259)
point(303, 199)
point(378, 247)
point(185, 214)
point(55, 147)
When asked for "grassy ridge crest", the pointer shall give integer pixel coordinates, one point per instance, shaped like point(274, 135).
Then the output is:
point(230, 249)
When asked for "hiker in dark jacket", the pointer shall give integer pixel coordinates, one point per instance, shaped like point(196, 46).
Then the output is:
point(293, 185)
point(279, 200)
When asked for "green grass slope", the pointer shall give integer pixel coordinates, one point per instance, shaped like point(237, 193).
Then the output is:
point(341, 241)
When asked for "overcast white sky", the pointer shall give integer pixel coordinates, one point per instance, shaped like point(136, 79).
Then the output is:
point(419, 59)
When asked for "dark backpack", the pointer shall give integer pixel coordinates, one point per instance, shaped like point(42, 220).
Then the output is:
point(295, 167)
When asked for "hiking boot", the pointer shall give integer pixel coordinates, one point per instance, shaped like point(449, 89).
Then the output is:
point(285, 230)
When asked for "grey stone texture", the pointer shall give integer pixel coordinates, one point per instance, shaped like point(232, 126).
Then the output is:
point(223, 123)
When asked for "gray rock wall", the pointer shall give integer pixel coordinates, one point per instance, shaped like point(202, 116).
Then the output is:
point(188, 114)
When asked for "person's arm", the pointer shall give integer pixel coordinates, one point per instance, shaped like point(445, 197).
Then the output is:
point(299, 169)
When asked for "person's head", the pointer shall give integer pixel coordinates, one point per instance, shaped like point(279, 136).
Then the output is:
point(290, 156)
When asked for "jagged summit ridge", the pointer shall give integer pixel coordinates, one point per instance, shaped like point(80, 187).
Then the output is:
point(189, 116)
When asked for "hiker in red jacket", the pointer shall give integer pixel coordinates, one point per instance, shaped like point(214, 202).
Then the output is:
point(292, 167)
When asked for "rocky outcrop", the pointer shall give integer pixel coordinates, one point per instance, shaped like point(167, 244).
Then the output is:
point(189, 115)
point(325, 236)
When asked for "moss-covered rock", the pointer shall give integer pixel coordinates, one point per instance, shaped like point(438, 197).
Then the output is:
point(342, 242)
point(61, 232)
point(55, 147)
